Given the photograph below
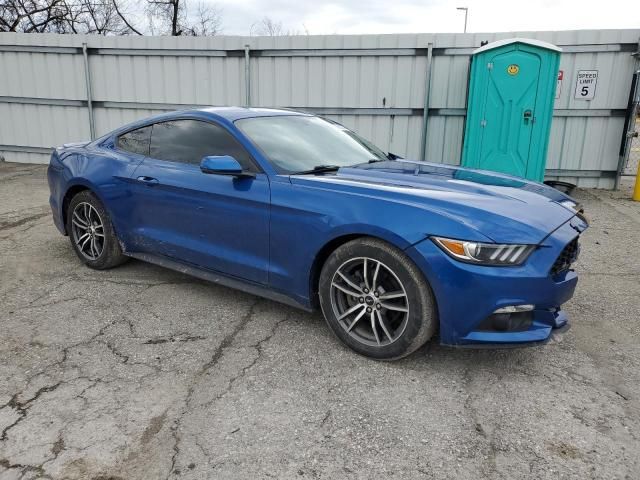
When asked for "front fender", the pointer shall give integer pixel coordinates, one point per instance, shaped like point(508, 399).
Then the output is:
point(308, 216)
point(368, 230)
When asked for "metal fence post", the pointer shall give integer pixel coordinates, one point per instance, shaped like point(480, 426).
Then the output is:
point(631, 133)
point(425, 112)
point(247, 77)
point(629, 129)
point(87, 79)
point(630, 121)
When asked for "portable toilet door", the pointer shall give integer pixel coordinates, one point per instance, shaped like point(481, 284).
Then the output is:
point(512, 87)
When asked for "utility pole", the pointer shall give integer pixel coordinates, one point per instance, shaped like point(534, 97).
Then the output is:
point(466, 13)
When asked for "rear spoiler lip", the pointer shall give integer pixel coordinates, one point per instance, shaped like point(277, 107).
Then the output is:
point(61, 152)
point(74, 145)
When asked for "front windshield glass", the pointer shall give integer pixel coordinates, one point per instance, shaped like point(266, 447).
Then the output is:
point(296, 143)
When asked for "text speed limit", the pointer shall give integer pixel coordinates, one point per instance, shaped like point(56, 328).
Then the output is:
point(586, 82)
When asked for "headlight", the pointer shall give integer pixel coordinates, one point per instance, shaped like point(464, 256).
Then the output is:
point(504, 254)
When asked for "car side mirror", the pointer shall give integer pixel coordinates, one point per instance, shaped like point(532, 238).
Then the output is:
point(223, 165)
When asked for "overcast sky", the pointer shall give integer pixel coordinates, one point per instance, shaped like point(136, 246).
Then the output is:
point(408, 16)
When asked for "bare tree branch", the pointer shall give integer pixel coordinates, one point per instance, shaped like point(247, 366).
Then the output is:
point(206, 21)
point(268, 27)
point(29, 15)
point(108, 17)
point(124, 19)
point(173, 17)
point(272, 28)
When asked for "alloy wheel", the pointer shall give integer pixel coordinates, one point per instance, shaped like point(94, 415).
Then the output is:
point(369, 301)
point(87, 230)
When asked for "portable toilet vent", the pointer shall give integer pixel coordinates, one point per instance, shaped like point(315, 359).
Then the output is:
point(512, 87)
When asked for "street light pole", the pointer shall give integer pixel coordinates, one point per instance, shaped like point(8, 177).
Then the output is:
point(466, 12)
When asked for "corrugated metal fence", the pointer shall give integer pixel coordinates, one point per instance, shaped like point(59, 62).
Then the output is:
point(392, 89)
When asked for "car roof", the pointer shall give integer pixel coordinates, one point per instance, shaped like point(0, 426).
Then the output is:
point(236, 113)
point(229, 114)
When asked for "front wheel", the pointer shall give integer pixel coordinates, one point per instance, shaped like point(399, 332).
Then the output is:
point(376, 300)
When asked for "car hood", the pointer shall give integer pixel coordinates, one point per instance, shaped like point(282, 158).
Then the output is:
point(503, 208)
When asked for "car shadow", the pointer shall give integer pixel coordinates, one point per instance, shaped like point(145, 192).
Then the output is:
point(432, 357)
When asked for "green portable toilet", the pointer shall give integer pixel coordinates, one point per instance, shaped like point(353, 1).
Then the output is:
point(512, 87)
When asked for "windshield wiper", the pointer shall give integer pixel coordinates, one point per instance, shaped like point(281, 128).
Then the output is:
point(318, 169)
point(333, 168)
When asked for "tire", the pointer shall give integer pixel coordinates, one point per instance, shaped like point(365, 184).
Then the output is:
point(96, 244)
point(392, 280)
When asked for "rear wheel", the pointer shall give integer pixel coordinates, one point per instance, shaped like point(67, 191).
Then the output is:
point(376, 300)
point(91, 232)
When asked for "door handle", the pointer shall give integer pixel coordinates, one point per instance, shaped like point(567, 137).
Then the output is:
point(526, 116)
point(148, 180)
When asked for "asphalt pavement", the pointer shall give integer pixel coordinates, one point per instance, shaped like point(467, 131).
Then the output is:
point(144, 373)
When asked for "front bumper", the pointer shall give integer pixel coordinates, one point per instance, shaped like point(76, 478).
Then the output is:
point(466, 295)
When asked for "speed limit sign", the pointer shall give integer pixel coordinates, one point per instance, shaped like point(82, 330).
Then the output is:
point(586, 82)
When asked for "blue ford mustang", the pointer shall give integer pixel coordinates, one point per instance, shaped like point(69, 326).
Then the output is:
point(302, 210)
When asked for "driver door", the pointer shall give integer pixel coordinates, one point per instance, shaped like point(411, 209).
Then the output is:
point(217, 222)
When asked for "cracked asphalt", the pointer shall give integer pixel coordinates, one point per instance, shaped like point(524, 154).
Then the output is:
point(143, 373)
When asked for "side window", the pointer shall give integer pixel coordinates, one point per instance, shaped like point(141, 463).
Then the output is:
point(135, 141)
point(189, 141)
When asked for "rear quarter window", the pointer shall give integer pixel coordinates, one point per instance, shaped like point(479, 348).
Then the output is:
point(135, 141)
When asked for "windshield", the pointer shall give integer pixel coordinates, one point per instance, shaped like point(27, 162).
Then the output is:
point(299, 143)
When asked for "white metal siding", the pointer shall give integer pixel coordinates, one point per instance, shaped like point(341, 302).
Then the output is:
point(339, 75)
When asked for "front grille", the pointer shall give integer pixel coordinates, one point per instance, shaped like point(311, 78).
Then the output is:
point(568, 255)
